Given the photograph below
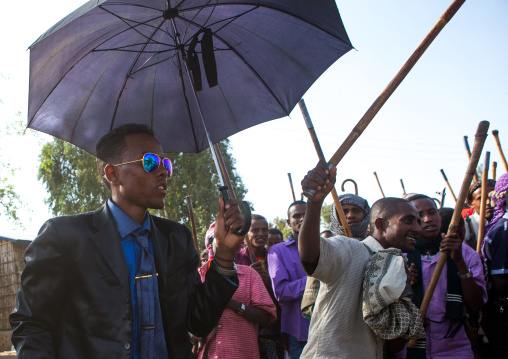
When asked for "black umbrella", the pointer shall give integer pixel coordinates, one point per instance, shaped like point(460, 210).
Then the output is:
point(114, 62)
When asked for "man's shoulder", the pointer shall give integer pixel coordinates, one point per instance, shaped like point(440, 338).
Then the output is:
point(167, 223)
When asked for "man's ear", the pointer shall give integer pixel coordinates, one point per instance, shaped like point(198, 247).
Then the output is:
point(110, 174)
point(288, 222)
point(381, 224)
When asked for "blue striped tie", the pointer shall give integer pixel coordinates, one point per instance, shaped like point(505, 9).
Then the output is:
point(151, 332)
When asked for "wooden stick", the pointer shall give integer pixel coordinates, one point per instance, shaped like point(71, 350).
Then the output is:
point(354, 183)
point(292, 189)
point(449, 185)
point(193, 223)
point(468, 151)
point(319, 151)
point(494, 168)
point(392, 86)
point(403, 188)
point(483, 204)
point(480, 137)
point(495, 133)
point(379, 184)
point(443, 195)
point(249, 248)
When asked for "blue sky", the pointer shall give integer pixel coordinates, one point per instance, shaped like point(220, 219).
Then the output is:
point(461, 80)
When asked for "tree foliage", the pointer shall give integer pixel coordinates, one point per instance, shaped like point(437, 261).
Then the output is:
point(326, 212)
point(281, 225)
point(74, 186)
point(10, 201)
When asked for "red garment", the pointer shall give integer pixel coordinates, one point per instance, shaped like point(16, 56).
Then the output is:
point(468, 211)
point(236, 337)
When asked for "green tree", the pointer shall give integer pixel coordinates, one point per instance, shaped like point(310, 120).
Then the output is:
point(74, 186)
point(281, 225)
point(326, 212)
point(10, 201)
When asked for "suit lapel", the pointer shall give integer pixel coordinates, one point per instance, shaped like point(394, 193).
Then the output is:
point(108, 242)
point(160, 248)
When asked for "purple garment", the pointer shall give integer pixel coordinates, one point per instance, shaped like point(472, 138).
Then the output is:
point(500, 208)
point(458, 347)
point(243, 257)
point(288, 283)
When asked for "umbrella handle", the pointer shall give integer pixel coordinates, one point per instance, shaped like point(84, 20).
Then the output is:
point(247, 215)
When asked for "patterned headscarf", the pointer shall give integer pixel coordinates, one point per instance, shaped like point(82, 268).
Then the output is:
point(210, 235)
point(358, 230)
point(499, 197)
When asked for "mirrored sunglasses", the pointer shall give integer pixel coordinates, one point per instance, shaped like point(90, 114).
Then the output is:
point(151, 163)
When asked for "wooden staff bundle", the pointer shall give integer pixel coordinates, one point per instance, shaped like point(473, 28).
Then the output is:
point(481, 135)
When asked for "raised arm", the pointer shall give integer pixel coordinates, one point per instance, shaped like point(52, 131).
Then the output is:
point(322, 180)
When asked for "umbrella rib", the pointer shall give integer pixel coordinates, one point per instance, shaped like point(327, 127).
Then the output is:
point(88, 98)
point(232, 18)
point(267, 7)
point(125, 21)
point(129, 74)
point(250, 68)
point(155, 63)
point(196, 14)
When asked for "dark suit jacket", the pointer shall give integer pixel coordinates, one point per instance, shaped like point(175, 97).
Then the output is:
point(75, 300)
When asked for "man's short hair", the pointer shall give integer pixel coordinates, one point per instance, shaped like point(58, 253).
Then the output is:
point(384, 208)
point(326, 231)
point(420, 196)
point(257, 217)
point(276, 231)
point(446, 218)
point(294, 204)
point(110, 147)
point(475, 186)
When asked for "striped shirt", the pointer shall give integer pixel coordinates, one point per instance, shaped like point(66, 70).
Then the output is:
point(235, 336)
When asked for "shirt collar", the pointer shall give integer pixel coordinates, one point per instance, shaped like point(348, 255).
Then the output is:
point(290, 241)
point(125, 224)
point(373, 244)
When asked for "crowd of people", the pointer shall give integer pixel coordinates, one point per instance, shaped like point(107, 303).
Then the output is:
point(121, 283)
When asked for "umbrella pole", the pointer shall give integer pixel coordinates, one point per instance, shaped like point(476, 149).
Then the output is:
point(319, 151)
point(379, 184)
point(495, 133)
point(494, 168)
point(232, 193)
point(449, 185)
point(392, 86)
point(354, 184)
point(193, 223)
point(403, 188)
point(483, 204)
point(225, 188)
point(480, 137)
point(291, 185)
point(468, 151)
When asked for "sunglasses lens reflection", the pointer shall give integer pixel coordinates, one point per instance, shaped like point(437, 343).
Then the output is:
point(151, 162)
point(167, 164)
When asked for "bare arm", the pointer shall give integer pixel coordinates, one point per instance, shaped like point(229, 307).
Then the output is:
point(322, 181)
point(252, 314)
point(471, 293)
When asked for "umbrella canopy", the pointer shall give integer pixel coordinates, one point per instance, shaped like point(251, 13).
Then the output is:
point(114, 62)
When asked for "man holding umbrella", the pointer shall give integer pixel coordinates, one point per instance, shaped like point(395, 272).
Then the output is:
point(119, 282)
